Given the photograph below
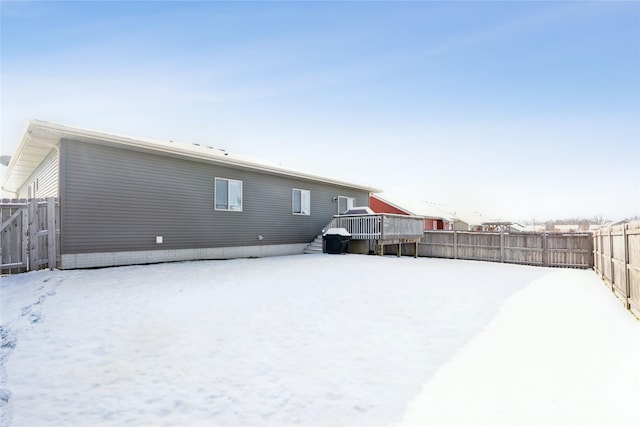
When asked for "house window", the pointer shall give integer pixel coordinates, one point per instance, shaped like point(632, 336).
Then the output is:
point(228, 195)
point(32, 190)
point(301, 202)
point(344, 204)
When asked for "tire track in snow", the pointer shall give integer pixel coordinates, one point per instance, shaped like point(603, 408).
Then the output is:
point(30, 315)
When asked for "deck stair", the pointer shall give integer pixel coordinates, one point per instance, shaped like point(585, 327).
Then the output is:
point(314, 247)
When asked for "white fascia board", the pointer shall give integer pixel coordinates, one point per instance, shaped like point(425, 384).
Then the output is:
point(51, 133)
point(28, 156)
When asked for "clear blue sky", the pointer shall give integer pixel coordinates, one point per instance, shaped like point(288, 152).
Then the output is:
point(520, 110)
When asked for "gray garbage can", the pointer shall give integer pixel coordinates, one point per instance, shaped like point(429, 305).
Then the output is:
point(336, 240)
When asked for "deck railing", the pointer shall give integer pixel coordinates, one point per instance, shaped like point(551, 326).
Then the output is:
point(380, 226)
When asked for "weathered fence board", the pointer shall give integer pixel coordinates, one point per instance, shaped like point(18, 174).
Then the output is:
point(13, 247)
point(547, 249)
point(29, 234)
point(617, 261)
point(568, 250)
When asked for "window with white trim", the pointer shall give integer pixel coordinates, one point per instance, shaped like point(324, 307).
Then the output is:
point(301, 202)
point(228, 195)
point(344, 204)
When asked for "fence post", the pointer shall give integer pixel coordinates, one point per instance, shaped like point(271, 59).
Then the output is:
point(596, 247)
point(34, 244)
point(25, 237)
point(627, 281)
point(595, 250)
point(601, 236)
point(545, 250)
point(502, 236)
point(612, 267)
point(51, 232)
point(455, 244)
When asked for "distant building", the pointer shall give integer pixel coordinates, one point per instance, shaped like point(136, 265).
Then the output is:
point(534, 228)
point(433, 220)
point(566, 228)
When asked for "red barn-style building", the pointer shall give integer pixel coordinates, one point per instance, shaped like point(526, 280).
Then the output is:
point(380, 205)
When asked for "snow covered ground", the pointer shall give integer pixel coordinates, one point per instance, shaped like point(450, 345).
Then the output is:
point(317, 340)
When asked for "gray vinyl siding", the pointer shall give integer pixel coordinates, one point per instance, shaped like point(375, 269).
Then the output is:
point(116, 199)
point(44, 180)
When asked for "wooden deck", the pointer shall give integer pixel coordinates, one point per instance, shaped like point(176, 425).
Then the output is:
point(384, 229)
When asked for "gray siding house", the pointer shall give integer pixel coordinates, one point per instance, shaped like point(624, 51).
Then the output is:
point(129, 200)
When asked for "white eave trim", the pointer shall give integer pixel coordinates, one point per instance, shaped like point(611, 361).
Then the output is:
point(44, 134)
point(28, 156)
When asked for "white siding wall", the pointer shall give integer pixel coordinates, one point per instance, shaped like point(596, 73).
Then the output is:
point(44, 181)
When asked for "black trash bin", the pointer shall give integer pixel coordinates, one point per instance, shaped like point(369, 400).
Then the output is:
point(336, 240)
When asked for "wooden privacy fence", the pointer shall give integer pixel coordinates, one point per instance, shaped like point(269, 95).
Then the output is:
point(29, 234)
point(573, 250)
point(617, 261)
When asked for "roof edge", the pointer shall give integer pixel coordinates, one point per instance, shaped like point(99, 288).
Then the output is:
point(46, 131)
point(395, 205)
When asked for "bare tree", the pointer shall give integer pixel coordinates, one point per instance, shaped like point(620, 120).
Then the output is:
point(598, 220)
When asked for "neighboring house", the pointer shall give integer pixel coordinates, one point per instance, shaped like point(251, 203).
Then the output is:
point(464, 220)
point(437, 216)
point(458, 224)
point(517, 228)
point(380, 205)
point(127, 200)
point(433, 220)
point(503, 227)
point(566, 228)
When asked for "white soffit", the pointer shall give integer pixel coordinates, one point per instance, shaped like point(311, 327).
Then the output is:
point(40, 137)
point(29, 155)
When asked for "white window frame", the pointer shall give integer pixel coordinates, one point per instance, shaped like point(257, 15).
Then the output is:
point(230, 207)
point(350, 203)
point(304, 202)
